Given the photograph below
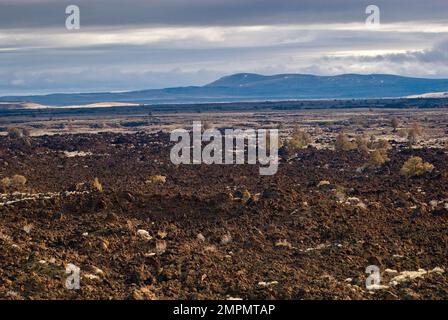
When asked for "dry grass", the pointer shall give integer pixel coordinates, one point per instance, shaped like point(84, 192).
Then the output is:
point(5, 183)
point(97, 185)
point(16, 182)
point(156, 179)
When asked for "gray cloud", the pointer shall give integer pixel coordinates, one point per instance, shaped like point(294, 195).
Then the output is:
point(432, 62)
point(44, 13)
point(438, 54)
point(152, 44)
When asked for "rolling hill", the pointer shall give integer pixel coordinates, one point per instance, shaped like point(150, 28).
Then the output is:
point(255, 87)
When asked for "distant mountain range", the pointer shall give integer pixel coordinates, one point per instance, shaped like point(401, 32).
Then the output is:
point(255, 87)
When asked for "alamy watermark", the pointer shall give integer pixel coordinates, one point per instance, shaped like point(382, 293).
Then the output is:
point(73, 20)
point(230, 150)
point(374, 278)
point(373, 20)
point(72, 282)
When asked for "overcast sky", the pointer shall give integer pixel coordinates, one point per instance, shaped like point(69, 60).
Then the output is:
point(136, 44)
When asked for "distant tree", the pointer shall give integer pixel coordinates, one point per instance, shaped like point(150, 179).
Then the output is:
point(413, 134)
point(412, 138)
point(417, 128)
point(395, 123)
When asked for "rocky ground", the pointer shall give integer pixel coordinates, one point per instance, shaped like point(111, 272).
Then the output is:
point(217, 232)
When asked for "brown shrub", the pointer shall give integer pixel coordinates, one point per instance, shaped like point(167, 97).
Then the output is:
point(412, 138)
point(15, 183)
point(417, 129)
point(378, 158)
point(246, 196)
point(415, 166)
point(18, 181)
point(362, 144)
point(15, 133)
point(402, 133)
point(21, 135)
point(342, 143)
point(394, 123)
point(156, 179)
point(299, 139)
point(414, 133)
point(97, 185)
point(380, 144)
point(5, 183)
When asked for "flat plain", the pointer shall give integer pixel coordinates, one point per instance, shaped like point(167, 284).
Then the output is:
point(101, 193)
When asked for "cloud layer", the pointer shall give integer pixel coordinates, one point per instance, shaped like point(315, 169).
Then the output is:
point(154, 44)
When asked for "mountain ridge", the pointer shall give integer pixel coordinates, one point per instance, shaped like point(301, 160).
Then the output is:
point(254, 87)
